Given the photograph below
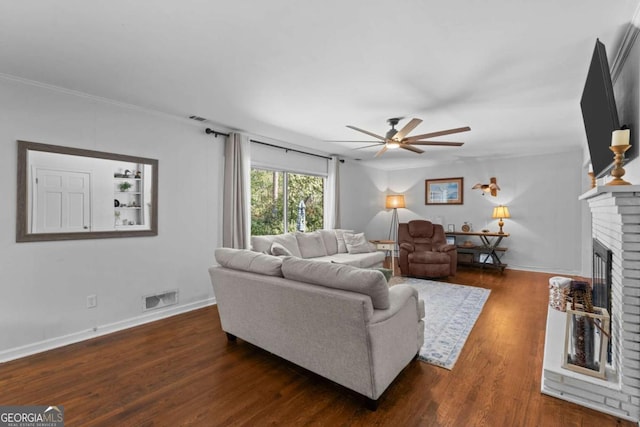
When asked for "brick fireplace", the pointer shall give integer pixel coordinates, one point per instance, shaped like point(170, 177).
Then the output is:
point(615, 212)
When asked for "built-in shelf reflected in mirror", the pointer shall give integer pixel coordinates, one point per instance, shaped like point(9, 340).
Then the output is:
point(70, 193)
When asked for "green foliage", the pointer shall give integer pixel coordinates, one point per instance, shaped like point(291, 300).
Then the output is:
point(124, 186)
point(267, 201)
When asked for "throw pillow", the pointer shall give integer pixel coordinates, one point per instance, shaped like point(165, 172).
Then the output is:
point(311, 245)
point(330, 241)
point(263, 243)
point(278, 250)
point(342, 246)
point(357, 243)
point(387, 273)
point(246, 260)
point(339, 276)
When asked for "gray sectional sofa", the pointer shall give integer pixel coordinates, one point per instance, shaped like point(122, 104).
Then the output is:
point(338, 246)
point(339, 321)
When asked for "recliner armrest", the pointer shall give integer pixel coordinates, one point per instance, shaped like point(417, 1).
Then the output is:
point(407, 247)
point(445, 248)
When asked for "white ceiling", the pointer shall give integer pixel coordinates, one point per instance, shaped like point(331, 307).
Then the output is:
point(299, 71)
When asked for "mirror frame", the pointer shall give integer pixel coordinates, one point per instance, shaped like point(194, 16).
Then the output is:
point(22, 232)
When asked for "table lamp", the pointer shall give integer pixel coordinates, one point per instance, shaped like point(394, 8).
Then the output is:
point(501, 212)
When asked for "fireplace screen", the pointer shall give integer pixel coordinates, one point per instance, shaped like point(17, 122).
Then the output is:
point(586, 340)
point(601, 279)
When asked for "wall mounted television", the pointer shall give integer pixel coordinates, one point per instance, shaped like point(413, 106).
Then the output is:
point(599, 112)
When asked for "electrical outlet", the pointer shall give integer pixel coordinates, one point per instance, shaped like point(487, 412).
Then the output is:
point(92, 301)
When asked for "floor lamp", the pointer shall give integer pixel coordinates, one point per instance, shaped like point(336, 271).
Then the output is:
point(394, 201)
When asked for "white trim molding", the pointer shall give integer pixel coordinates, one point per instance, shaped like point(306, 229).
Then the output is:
point(628, 40)
point(75, 337)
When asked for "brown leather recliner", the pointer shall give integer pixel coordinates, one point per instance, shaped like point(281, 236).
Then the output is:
point(424, 251)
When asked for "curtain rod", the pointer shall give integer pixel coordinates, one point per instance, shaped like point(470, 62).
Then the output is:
point(215, 133)
point(290, 149)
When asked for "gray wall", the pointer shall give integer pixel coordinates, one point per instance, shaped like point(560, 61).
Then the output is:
point(540, 191)
point(45, 284)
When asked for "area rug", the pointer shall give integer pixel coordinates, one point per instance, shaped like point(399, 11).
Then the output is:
point(450, 313)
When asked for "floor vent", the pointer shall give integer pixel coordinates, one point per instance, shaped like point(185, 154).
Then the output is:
point(152, 302)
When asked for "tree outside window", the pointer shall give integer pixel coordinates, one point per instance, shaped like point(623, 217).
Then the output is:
point(304, 210)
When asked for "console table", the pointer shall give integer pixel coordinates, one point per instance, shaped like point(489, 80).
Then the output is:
point(486, 254)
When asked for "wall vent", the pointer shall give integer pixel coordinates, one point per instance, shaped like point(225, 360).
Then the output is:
point(198, 118)
point(163, 299)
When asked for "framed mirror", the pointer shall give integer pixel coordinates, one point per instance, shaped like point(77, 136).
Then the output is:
point(70, 193)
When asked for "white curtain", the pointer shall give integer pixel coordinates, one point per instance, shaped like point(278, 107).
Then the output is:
point(332, 195)
point(236, 210)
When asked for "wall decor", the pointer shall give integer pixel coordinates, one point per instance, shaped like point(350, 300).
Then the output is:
point(444, 191)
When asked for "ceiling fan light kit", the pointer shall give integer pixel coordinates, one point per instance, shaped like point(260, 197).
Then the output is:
point(398, 138)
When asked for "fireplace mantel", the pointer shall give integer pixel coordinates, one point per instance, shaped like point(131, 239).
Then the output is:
point(602, 189)
point(615, 222)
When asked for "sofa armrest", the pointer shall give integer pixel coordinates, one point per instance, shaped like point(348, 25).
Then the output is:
point(407, 247)
point(398, 297)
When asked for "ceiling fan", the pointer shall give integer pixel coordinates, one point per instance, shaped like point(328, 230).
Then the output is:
point(398, 138)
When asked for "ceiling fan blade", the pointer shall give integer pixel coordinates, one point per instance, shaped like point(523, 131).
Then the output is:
point(411, 148)
point(382, 138)
point(382, 151)
point(451, 144)
point(440, 133)
point(406, 129)
point(377, 144)
point(349, 140)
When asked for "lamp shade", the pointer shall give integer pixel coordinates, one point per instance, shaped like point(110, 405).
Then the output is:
point(395, 201)
point(501, 212)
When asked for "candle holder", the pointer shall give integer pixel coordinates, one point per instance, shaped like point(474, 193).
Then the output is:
point(618, 171)
point(593, 179)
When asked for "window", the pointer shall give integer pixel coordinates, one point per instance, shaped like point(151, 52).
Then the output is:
point(284, 202)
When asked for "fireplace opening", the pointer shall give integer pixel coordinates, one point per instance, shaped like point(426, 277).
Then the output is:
point(601, 282)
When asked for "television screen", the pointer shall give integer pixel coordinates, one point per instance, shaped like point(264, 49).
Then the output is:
point(599, 111)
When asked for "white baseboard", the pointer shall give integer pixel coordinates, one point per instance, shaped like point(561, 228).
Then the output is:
point(148, 317)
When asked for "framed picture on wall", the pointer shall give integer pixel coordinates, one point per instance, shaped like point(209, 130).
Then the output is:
point(444, 191)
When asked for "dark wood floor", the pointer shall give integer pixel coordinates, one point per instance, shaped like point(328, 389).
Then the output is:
point(182, 371)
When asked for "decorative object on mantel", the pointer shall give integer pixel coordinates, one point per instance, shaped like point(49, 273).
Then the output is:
point(492, 187)
point(619, 144)
point(467, 227)
point(501, 212)
point(592, 176)
point(587, 333)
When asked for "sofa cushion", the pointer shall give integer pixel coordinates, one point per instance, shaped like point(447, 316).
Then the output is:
point(246, 260)
point(263, 243)
point(357, 243)
point(311, 245)
point(339, 276)
point(278, 250)
point(428, 257)
point(330, 241)
point(342, 246)
point(366, 260)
